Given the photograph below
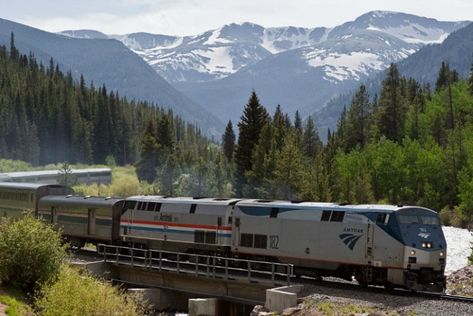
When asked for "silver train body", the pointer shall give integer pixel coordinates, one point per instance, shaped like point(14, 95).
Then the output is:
point(394, 246)
point(377, 244)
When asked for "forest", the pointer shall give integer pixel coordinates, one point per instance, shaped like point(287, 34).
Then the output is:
point(409, 144)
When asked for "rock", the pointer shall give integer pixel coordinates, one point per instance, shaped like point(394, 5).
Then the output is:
point(257, 310)
point(291, 311)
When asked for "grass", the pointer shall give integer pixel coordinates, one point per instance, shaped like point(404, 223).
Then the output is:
point(16, 302)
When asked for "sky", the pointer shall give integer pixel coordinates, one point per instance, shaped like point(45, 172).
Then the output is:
point(189, 17)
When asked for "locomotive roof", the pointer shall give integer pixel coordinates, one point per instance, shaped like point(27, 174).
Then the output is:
point(324, 206)
point(189, 200)
point(275, 203)
point(76, 200)
point(27, 186)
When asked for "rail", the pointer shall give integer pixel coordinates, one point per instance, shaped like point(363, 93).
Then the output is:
point(252, 271)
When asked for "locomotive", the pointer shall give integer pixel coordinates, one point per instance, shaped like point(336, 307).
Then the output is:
point(388, 245)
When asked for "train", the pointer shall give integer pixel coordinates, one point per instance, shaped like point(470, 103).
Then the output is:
point(387, 245)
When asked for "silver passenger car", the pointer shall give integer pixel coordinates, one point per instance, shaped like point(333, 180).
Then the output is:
point(83, 219)
point(16, 198)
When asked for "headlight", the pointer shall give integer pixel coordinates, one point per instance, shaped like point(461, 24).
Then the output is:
point(413, 252)
point(441, 254)
point(424, 245)
point(429, 245)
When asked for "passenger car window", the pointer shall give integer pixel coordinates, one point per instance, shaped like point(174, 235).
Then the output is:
point(151, 206)
point(130, 205)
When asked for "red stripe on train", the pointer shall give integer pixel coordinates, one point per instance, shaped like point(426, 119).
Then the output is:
point(170, 224)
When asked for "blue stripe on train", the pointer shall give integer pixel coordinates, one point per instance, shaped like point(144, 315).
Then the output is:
point(162, 230)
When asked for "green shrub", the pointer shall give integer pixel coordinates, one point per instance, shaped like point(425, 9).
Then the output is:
point(80, 294)
point(8, 165)
point(125, 186)
point(31, 252)
point(453, 217)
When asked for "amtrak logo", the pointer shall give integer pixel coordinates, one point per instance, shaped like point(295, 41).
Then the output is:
point(350, 240)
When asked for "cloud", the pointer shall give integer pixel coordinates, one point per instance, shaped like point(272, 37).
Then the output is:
point(185, 17)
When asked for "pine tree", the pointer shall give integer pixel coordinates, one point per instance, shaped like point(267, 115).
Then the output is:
point(228, 141)
point(14, 53)
point(164, 133)
point(253, 119)
point(260, 177)
point(289, 168)
point(146, 166)
point(357, 121)
point(391, 106)
point(280, 127)
point(168, 175)
point(445, 77)
point(298, 123)
point(311, 143)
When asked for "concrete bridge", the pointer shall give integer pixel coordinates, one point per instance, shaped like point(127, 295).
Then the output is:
point(237, 284)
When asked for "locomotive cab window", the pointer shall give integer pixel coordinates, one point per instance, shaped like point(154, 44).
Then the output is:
point(382, 219)
point(326, 216)
point(337, 216)
point(429, 220)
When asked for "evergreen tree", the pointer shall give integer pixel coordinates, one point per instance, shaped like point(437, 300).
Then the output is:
point(445, 77)
point(228, 141)
point(146, 166)
point(260, 177)
point(253, 119)
point(288, 171)
point(391, 106)
point(168, 174)
point(357, 121)
point(311, 143)
point(298, 123)
point(14, 53)
point(280, 127)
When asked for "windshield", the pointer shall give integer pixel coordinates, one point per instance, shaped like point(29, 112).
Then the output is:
point(414, 219)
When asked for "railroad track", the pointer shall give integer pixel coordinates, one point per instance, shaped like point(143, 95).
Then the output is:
point(353, 286)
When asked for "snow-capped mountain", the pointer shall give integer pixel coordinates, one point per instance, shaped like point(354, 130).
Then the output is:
point(219, 53)
point(299, 68)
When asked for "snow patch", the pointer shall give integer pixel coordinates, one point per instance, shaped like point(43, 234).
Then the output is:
point(345, 66)
point(417, 34)
point(459, 242)
point(215, 38)
point(219, 59)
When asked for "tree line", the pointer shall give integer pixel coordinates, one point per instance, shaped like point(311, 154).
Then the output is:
point(46, 116)
point(412, 144)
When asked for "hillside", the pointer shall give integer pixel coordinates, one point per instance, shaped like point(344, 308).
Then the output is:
point(299, 68)
point(423, 65)
point(109, 62)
